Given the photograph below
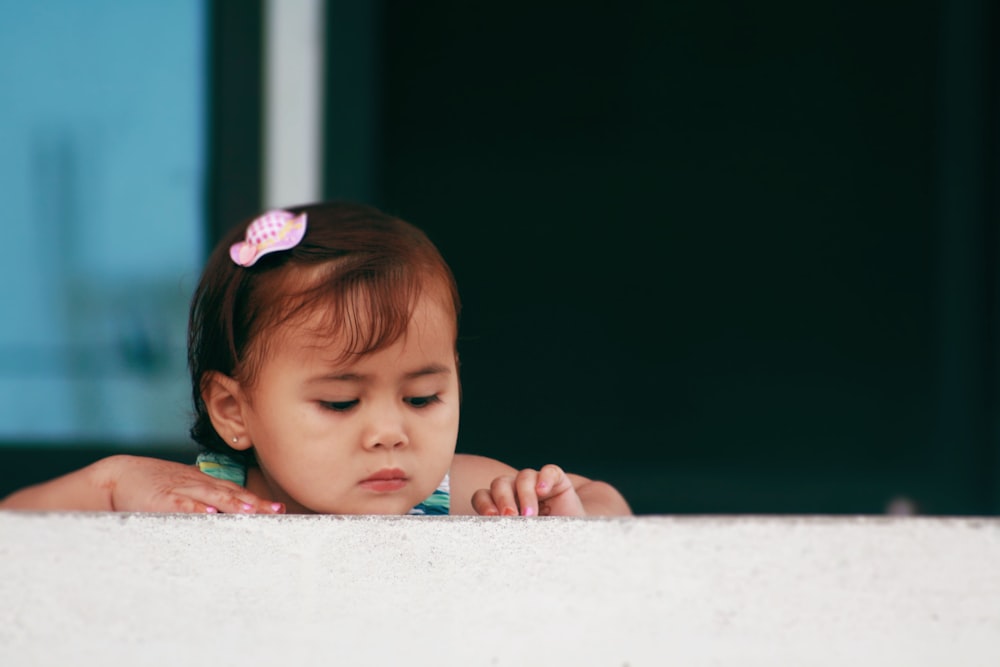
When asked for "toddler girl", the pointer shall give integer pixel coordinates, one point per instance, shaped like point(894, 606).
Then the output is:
point(322, 351)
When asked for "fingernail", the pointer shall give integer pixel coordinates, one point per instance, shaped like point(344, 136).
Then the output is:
point(211, 510)
point(277, 507)
point(529, 511)
point(509, 511)
point(247, 507)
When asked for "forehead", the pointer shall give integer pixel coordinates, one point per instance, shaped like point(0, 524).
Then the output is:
point(317, 331)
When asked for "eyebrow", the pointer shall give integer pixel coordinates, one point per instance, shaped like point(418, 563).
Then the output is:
point(432, 369)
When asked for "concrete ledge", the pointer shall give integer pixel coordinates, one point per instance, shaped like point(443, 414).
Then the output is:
point(96, 589)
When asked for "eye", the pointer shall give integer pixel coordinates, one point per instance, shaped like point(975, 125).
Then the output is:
point(339, 406)
point(423, 401)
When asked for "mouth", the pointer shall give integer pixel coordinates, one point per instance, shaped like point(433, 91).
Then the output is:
point(385, 480)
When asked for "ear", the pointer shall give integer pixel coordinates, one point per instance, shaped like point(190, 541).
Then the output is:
point(224, 401)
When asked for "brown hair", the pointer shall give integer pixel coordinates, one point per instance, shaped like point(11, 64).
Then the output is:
point(362, 268)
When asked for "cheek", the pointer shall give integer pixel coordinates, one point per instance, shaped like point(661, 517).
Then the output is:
point(274, 419)
point(445, 427)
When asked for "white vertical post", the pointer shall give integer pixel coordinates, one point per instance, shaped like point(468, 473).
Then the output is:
point(293, 108)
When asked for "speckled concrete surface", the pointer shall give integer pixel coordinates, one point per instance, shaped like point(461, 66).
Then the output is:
point(105, 589)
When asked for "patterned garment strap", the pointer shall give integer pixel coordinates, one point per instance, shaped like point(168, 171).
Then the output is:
point(221, 466)
point(437, 503)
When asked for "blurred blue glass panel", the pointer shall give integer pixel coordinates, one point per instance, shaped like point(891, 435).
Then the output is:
point(101, 124)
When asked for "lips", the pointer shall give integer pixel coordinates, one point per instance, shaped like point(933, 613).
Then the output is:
point(385, 480)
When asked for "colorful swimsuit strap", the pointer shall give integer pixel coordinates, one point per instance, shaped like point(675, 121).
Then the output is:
point(233, 470)
point(224, 467)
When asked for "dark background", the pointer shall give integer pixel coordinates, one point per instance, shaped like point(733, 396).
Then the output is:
point(732, 257)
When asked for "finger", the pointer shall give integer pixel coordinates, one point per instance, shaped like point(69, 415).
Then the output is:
point(560, 496)
point(231, 499)
point(483, 503)
point(552, 481)
point(527, 499)
point(244, 502)
point(237, 506)
point(181, 504)
point(251, 504)
point(502, 490)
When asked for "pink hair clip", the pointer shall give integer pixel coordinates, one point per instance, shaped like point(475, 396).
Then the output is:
point(272, 231)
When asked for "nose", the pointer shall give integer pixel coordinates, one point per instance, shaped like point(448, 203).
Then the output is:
point(385, 428)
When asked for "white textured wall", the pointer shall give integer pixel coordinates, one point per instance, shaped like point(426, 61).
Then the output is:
point(86, 589)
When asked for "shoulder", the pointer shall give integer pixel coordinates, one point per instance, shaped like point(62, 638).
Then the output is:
point(472, 465)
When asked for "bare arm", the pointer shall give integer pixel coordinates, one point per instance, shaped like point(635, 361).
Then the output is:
point(88, 488)
point(600, 498)
point(138, 484)
point(486, 486)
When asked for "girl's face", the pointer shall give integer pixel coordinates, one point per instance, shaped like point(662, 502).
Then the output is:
point(370, 435)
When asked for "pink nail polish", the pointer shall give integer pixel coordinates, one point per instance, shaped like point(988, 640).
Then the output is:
point(247, 507)
point(508, 511)
point(211, 510)
point(276, 507)
point(529, 511)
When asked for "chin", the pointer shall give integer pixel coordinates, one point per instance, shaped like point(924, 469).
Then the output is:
point(381, 508)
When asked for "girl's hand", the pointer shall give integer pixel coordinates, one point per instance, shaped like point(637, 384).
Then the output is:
point(141, 484)
point(544, 492)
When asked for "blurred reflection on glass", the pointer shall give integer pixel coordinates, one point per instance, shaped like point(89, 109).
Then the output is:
point(101, 182)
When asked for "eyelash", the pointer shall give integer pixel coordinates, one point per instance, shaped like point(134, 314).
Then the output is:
point(418, 402)
point(338, 406)
point(421, 402)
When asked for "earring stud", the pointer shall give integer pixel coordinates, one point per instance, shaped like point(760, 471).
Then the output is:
point(236, 439)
